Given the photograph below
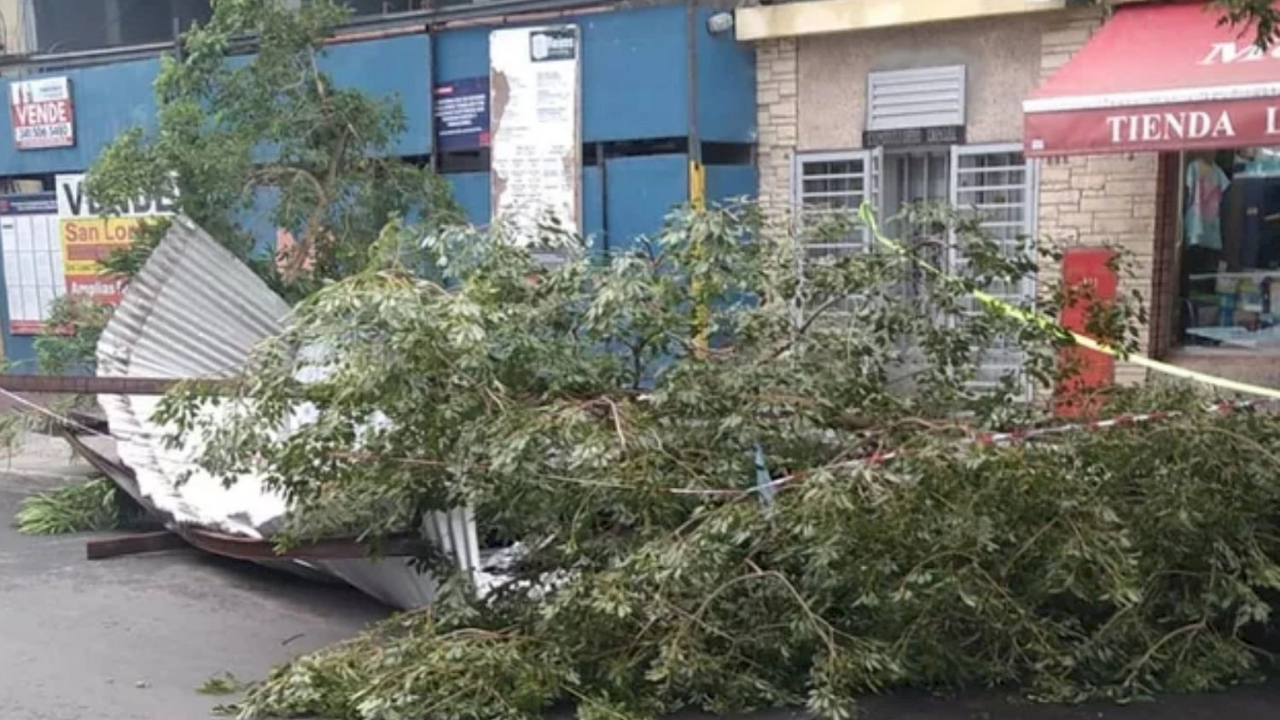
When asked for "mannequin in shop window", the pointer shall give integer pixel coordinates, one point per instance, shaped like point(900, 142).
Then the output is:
point(1206, 184)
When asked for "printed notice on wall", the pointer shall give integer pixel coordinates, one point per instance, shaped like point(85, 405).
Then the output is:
point(461, 111)
point(88, 235)
point(32, 259)
point(534, 128)
point(42, 113)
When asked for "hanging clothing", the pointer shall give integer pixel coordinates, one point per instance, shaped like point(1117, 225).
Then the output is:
point(1206, 184)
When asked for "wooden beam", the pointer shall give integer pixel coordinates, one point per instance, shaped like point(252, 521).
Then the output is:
point(68, 385)
point(133, 545)
point(243, 548)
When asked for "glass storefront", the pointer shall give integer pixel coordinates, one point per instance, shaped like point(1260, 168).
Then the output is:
point(1230, 249)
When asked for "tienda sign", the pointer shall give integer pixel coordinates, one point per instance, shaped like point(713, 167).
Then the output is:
point(1183, 125)
point(42, 113)
point(1159, 76)
point(1172, 127)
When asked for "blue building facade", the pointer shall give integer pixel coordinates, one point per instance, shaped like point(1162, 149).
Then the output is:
point(639, 128)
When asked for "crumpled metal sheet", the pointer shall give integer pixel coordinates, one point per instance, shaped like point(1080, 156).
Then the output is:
point(196, 311)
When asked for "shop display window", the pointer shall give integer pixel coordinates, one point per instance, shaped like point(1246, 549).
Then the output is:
point(1229, 250)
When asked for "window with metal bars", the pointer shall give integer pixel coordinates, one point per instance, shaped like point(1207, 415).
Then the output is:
point(994, 182)
point(830, 189)
point(998, 185)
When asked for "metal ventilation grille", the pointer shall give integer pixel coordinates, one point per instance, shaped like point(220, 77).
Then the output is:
point(925, 97)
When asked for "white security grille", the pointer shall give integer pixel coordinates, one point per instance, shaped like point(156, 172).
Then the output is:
point(925, 97)
point(998, 184)
point(831, 187)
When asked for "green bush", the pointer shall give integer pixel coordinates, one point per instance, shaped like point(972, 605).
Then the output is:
point(714, 536)
point(1116, 564)
point(91, 506)
point(70, 339)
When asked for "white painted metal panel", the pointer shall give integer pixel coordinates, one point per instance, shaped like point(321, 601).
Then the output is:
point(918, 98)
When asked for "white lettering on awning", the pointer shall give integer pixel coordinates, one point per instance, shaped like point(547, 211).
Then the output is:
point(1116, 123)
point(1230, 52)
point(1162, 127)
point(1224, 128)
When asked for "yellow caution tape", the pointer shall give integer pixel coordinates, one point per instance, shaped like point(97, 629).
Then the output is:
point(1140, 360)
point(1084, 341)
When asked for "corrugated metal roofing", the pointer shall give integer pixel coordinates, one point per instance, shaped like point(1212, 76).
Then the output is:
point(196, 311)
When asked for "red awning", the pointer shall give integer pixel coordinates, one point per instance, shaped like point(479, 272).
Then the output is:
point(1159, 77)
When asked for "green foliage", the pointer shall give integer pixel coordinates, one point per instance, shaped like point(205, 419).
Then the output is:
point(92, 506)
point(235, 130)
point(1257, 17)
point(69, 342)
point(13, 424)
point(69, 345)
point(575, 408)
point(128, 260)
point(1114, 565)
point(13, 428)
point(224, 683)
point(490, 674)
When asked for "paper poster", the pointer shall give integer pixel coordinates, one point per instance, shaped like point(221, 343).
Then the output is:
point(33, 268)
point(461, 110)
point(535, 129)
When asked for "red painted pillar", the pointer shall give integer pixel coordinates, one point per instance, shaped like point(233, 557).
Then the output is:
point(1087, 275)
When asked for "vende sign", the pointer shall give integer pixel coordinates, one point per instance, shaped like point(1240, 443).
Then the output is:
point(89, 236)
point(43, 113)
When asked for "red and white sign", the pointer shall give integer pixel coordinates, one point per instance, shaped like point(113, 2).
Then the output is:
point(1159, 77)
point(43, 113)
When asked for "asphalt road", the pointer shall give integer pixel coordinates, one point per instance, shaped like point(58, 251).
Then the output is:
point(131, 638)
